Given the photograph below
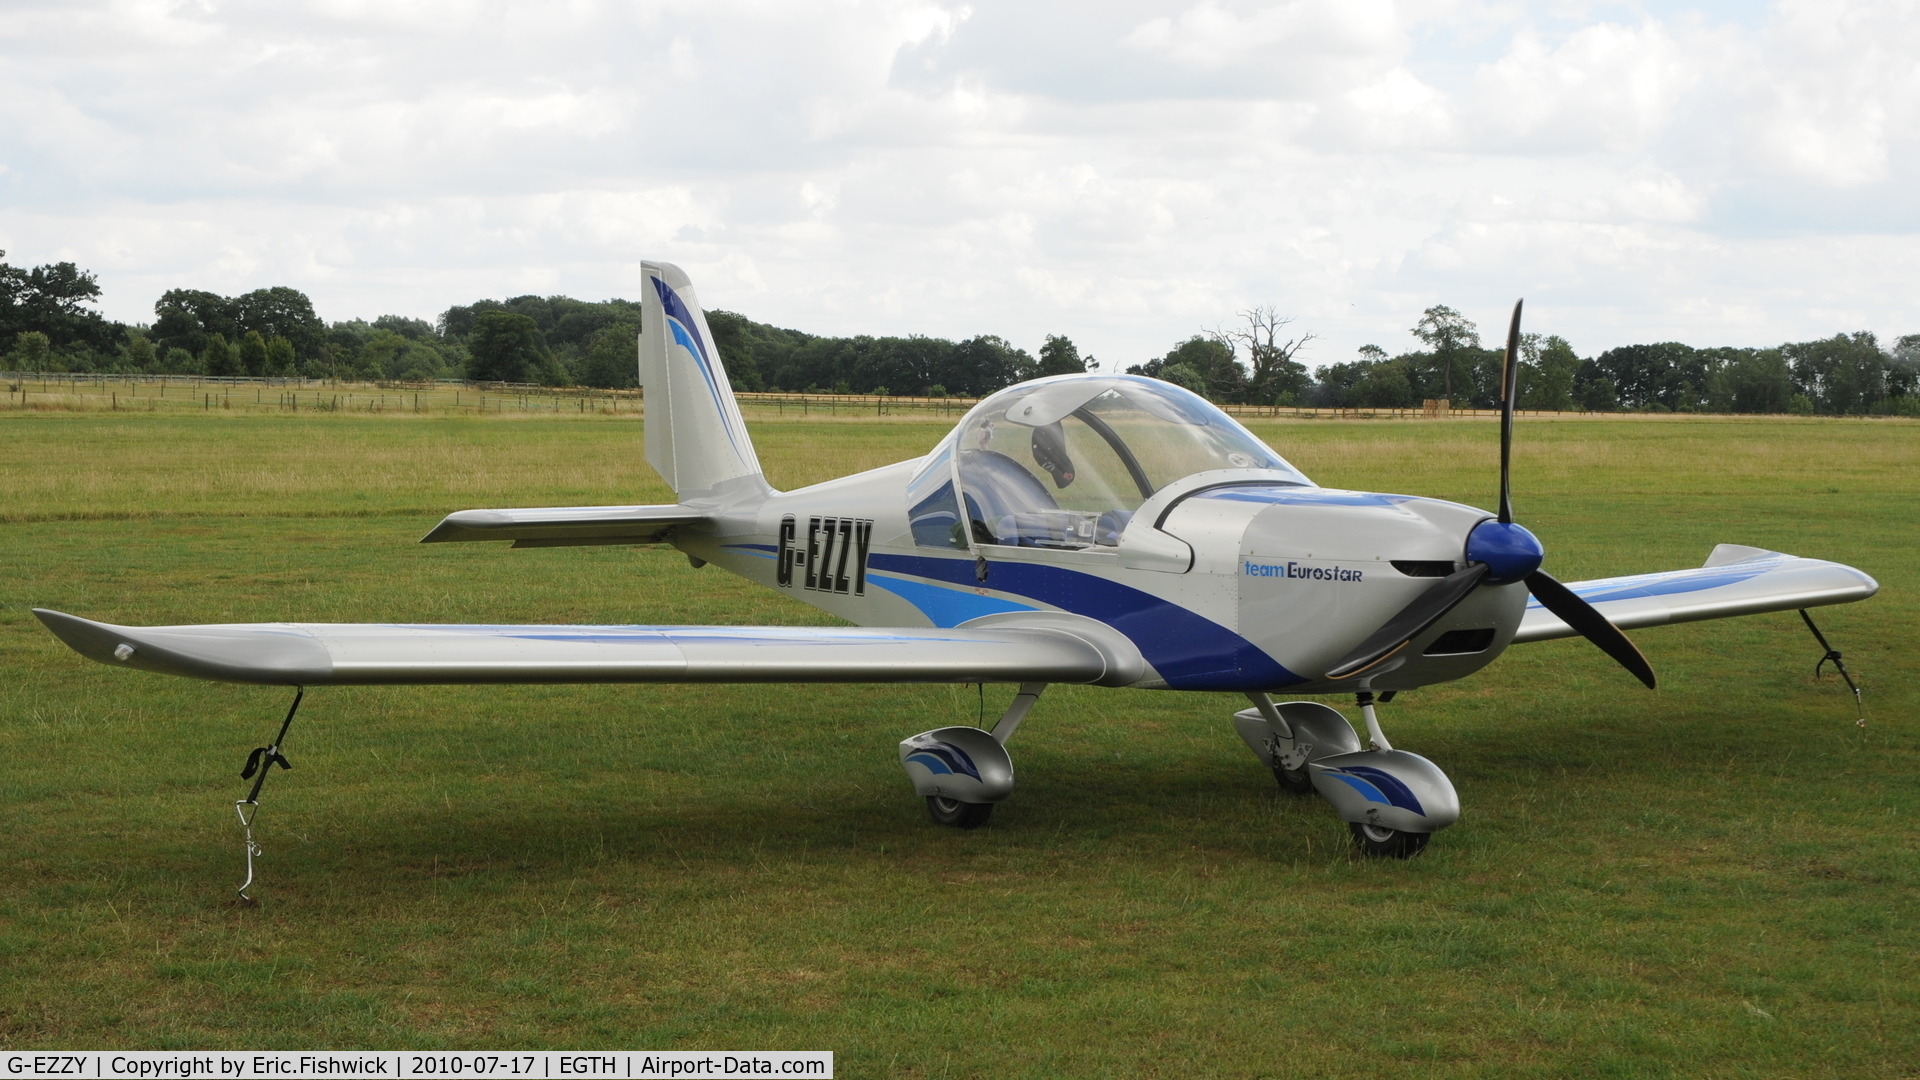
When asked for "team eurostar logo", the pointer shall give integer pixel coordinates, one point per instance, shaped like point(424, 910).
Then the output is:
point(1300, 571)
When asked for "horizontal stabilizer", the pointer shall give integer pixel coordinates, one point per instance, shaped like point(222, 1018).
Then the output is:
point(1735, 580)
point(562, 526)
point(318, 654)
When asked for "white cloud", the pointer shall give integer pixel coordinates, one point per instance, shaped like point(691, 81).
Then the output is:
point(1396, 111)
point(1604, 87)
point(1830, 87)
point(1302, 35)
point(1124, 171)
point(1660, 197)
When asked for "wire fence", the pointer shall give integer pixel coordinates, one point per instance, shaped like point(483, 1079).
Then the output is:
point(87, 391)
point(79, 391)
point(856, 404)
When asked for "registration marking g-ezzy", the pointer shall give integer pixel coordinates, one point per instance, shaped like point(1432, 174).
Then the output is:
point(1300, 571)
point(834, 555)
point(47, 1065)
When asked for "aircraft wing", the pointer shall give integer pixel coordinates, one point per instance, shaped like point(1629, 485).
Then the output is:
point(564, 526)
point(316, 654)
point(1735, 580)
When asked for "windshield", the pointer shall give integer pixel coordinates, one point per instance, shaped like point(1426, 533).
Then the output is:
point(1065, 462)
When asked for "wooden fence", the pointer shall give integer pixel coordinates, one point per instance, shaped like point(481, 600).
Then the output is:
point(856, 404)
point(80, 390)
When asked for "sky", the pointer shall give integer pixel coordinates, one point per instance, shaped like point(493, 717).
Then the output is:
point(1124, 172)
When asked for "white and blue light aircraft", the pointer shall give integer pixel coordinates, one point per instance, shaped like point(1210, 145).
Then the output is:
point(1095, 529)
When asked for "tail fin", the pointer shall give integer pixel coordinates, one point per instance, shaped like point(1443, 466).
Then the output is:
point(695, 437)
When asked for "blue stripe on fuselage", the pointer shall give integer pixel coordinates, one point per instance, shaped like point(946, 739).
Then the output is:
point(945, 607)
point(1189, 651)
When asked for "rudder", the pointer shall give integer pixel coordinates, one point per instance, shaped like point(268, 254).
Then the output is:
point(695, 436)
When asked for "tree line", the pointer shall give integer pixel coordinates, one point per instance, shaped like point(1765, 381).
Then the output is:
point(46, 317)
point(1844, 375)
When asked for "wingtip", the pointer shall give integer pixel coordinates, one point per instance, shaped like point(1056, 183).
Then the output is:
point(58, 620)
point(462, 524)
point(256, 653)
point(93, 640)
point(449, 528)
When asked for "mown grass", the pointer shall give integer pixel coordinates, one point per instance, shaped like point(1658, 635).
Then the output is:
point(1716, 879)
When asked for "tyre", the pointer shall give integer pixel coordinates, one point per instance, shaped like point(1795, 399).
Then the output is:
point(1293, 781)
point(960, 815)
point(1387, 843)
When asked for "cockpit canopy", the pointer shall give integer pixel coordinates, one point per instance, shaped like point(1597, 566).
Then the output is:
point(1064, 462)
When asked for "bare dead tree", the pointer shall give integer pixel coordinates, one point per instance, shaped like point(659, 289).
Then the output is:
point(1275, 371)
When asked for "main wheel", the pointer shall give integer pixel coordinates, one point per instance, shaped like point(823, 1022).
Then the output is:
point(1387, 843)
point(1293, 781)
point(960, 815)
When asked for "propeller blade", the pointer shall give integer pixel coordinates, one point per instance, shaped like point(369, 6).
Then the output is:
point(1509, 378)
point(1592, 625)
point(1413, 620)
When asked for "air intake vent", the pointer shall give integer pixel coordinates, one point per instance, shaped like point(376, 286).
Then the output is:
point(1423, 567)
point(1461, 642)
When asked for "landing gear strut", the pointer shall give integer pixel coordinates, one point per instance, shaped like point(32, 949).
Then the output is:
point(1392, 801)
point(963, 771)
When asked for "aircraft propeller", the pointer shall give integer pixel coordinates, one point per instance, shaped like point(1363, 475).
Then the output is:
point(1498, 552)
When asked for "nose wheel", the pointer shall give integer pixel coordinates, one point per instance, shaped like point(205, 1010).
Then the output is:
point(1382, 842)
point(1392, 801)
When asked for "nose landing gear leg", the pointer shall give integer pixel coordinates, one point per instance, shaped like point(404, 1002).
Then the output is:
point(1378, 839)
point(1392, 801)
point(1376, 738)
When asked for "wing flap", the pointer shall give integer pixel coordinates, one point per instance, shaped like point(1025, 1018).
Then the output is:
point(1735, 580)
point(560, 526)
point(319, 654)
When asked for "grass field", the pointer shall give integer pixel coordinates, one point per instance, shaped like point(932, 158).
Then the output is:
point(1717, 879)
